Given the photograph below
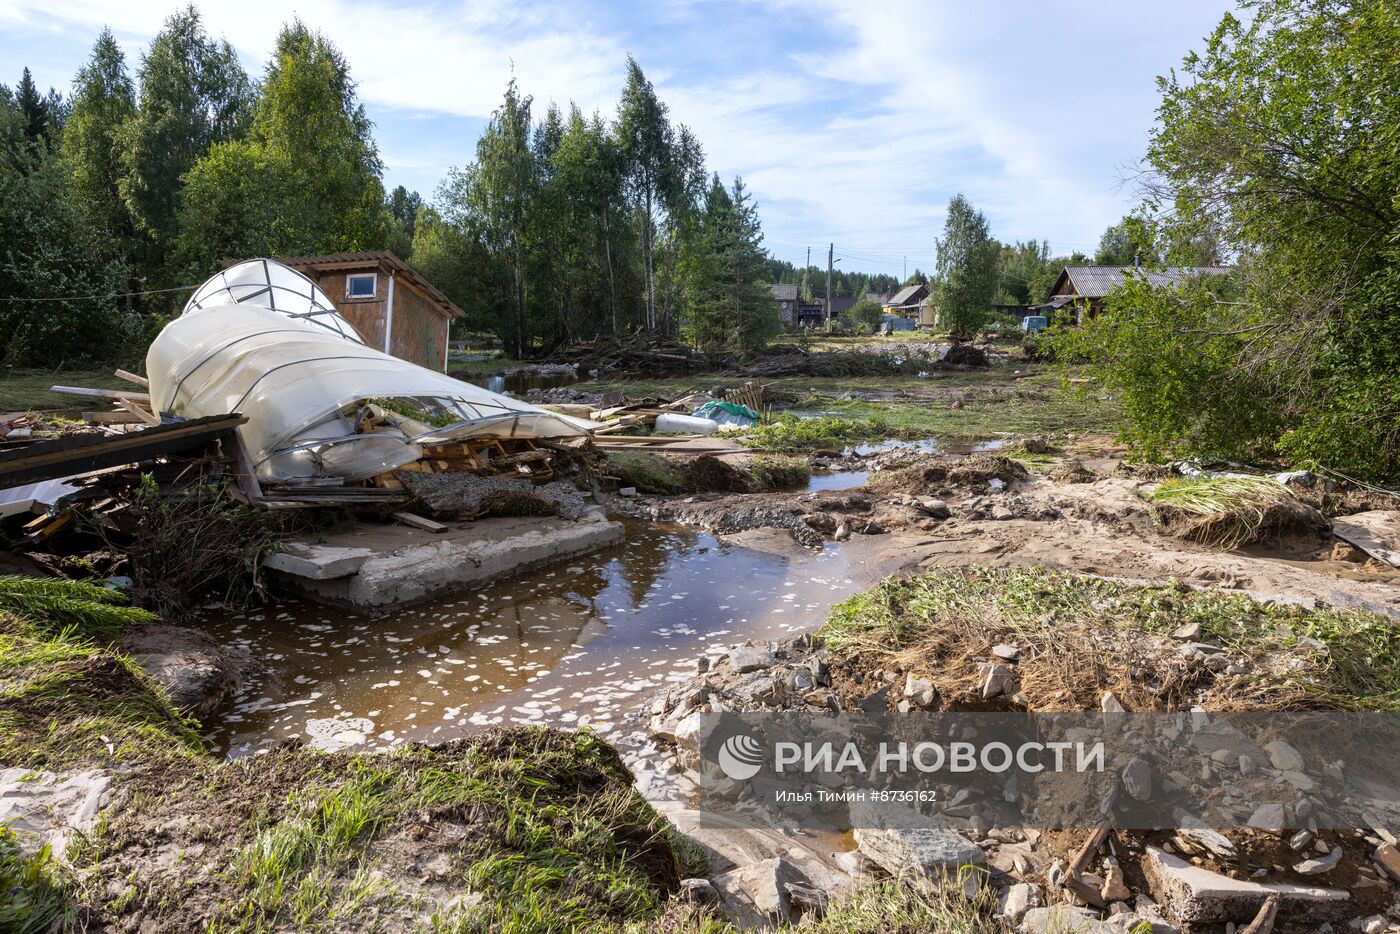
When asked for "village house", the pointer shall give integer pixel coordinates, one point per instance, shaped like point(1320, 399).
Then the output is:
point(393, 307)
point(785, 294)
point(1086, 287)
point(909, 302)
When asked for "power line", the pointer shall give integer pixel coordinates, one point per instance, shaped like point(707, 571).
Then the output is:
point(85, 298)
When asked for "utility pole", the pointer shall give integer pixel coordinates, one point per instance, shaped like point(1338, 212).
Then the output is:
point(830, 252)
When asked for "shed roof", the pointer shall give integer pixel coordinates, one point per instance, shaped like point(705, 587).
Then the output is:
point(377, 259)
point(906, 295)
point(1098, 281)
point(784, 291)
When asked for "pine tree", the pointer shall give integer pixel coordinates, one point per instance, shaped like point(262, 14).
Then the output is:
point(103, 102)
point(647, 143)
point(965, 278)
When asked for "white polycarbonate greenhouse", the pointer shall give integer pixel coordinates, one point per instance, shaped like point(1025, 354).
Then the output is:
point(261, 339)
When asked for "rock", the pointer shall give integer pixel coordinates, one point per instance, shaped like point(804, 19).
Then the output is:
point(1300, 840)
point(1389, 856)
point(996, 680)
point(1375, 924)
point(1269, 817)
point(1007, 653)
point(1191, 632)
point(195, 672)
point(1115, 887)
point(920, 690)
point(627, 491)
point(759, 892)
point(746, 658)
point(936, 508)
point(843, 532)
point(1316, 867)
point(1001, 513)
point(1247, 765)
point(1018, 899)
point(1299, 780)
point(1192, 895)
point(698, 892)
point(1065, 919)
point(1196, 839)
point(1283, 756)
point(1137, 779)
point(996, 485)
point(1109, 703)
point(905, 843)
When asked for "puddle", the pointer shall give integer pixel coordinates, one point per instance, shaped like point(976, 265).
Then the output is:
point(840, 480)
point(580, 643)
point(522, 382)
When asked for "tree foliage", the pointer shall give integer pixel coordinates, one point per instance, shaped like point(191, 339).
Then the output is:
point(1280, 145)
point(304, 180)
point(965, 279)
point(103, 102)
point(1130, 242)
point(730, 307)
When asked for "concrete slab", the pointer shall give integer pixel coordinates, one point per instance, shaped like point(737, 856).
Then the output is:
point(317, 562)
point(1193, 895)
point(374, 568)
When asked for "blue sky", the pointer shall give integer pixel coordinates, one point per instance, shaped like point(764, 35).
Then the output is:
point(852, 121)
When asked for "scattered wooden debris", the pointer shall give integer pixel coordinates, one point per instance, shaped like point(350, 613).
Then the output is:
point(418, 522)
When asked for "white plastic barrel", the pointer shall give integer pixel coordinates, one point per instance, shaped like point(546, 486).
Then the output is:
point(671, 423)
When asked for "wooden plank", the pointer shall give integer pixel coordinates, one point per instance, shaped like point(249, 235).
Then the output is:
point(418, 522)
point(132, 378)
point(112, 418)
point(134, 409)
point(101, 393)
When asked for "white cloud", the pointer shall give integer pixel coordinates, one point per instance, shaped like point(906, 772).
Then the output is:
point(871, 115)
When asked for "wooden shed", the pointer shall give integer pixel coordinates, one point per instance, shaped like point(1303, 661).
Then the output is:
point(392, 306)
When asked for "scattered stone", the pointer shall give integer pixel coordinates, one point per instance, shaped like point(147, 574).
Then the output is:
point(1191, 632)
point(936, 508)
point(1001, 513)
point(195, 672)
point(1109, 703)
point(1193, 895)
point(996, 680)
point(1388, 855)
point(1300, 780)
point(698, 892)
point(1020, 898)
point(1247, 765)
point(1283, 756)
point(905, 843)
point(628, 491)
point(1115, 886)
point(746, 658)
point(921, 690)
point(1137, 779)
point(1065, 919)
point(1316, 867)
point(760, 891)
point(1270, 817)
point(1007, 653)
point(1300, 840)
point(1375, 924)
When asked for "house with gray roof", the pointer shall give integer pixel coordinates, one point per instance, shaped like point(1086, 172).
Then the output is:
point(1088, 286)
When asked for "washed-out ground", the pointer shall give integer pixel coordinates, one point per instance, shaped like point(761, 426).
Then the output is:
point(540, 830)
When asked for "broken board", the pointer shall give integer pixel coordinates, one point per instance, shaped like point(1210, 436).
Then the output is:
point(1376, 532)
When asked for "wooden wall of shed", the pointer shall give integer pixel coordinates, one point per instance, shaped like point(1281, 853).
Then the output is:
point(420, 330)
point(367, 316)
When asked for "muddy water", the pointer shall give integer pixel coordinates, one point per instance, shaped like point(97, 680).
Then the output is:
point(522, 382)
point(582, 643)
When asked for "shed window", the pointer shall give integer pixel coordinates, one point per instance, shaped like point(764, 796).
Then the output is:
point(361, 285)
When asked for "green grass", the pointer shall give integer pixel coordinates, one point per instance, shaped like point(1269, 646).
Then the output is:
point(24, 390)
point(912, 905)
point(791, 432)
point(33, 897)
point(1071, 624)
point(67, 696)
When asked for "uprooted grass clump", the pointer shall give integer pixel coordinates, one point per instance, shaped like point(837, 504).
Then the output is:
point(653, 473)
point(1230, 512)
point(68, 698)
point(1080, 636)
point(515, 829)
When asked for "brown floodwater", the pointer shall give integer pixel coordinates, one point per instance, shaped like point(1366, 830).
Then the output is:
point(581, 643)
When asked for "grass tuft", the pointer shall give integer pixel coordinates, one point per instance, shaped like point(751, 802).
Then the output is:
point(1230, 512)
